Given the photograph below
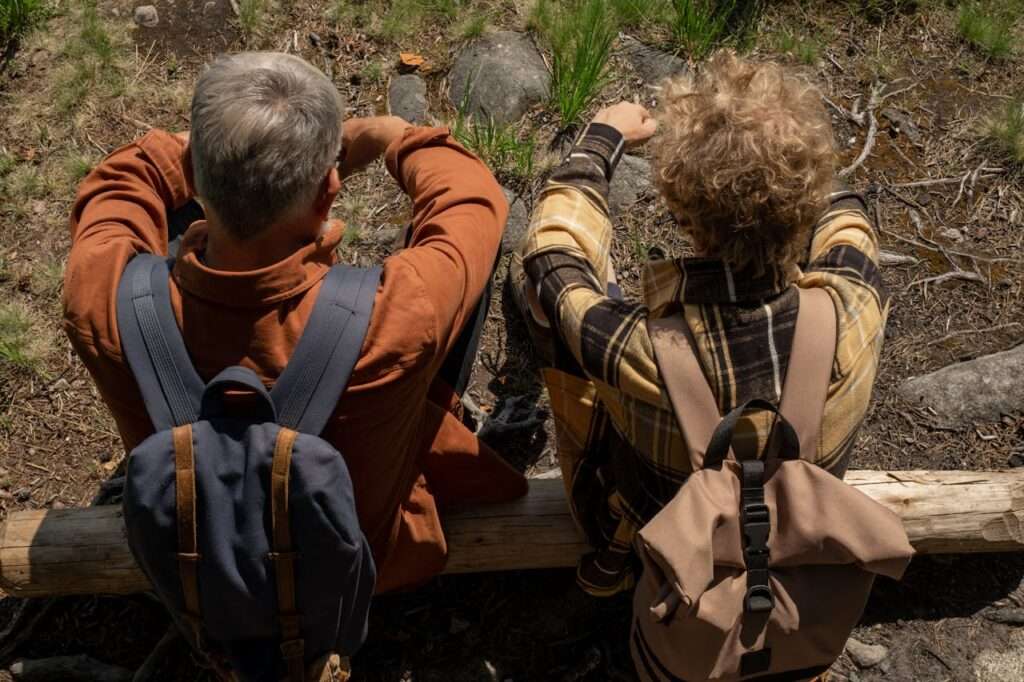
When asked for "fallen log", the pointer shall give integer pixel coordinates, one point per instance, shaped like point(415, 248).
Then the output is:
point(83, 551)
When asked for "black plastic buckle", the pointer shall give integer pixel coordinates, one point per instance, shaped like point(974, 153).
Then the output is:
point(759, 599)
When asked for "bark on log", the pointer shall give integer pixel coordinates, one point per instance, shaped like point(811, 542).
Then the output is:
point(83, 551)
point(68, 669)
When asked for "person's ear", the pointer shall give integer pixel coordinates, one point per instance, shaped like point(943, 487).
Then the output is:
point(328, 191)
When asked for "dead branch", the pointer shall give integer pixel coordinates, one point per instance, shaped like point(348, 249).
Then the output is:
point(987, 174)
point(964, 332)
point(874, 101)
point(953, 274)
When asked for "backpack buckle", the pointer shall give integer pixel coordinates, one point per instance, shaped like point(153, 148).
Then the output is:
point(758, 599)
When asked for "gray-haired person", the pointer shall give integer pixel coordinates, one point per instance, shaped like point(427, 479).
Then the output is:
point(243, 204)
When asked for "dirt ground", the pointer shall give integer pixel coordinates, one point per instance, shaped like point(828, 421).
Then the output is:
point(91, 81)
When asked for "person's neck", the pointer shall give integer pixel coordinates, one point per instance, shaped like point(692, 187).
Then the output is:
point(226, 252)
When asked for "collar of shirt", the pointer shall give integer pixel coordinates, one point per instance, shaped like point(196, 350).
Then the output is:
point(254, 288)
point(671, 282)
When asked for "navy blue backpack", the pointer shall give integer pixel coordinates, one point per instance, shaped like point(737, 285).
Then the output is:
point(246, 523)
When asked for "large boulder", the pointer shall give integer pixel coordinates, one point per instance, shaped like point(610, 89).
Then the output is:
point(501, 75)
point(651, 64)
point(980, 389)
point(632, 181)
point(407, 98)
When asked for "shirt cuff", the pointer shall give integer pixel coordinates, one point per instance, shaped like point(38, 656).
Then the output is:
point(604, 144)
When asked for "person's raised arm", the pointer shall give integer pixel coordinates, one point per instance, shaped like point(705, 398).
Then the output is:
point(458, 216)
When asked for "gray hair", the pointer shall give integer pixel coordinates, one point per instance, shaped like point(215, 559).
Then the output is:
point(266, 128)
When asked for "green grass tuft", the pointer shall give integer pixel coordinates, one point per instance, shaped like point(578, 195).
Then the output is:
point(1005, 131)
point(250, 17)
point(17, 341)
point(473, 26)
point(806, 50)
point(580, 34)
point(700, 26)
point(17, 18)
point(989, 26)
point(500, 146)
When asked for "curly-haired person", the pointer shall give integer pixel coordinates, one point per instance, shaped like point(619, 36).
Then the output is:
point(744, 158)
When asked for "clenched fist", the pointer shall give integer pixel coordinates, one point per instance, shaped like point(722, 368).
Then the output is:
point(633, 121)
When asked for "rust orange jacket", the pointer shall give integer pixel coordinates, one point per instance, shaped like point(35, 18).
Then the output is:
point(405, 450)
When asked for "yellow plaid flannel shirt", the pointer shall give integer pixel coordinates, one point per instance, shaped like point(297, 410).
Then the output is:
point(619, 445)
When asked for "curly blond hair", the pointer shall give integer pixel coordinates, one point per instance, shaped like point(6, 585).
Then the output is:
point(744, 160)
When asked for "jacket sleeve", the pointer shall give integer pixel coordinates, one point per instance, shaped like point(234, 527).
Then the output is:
point(120, 210)
point(459, 214)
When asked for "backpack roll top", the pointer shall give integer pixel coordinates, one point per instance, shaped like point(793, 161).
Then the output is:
point(758, 568)
point(241, 515)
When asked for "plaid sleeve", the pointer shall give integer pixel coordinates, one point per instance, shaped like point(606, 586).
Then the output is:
point(567, 260)
point(844, 260)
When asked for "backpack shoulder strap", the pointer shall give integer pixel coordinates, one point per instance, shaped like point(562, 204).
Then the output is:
point(153, 346)
point(694, 405)
point(308, 389)
point(805, 389)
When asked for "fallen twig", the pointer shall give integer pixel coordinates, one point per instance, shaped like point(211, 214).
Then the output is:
point(953, 274)
point(962, 332)
point(875, 100)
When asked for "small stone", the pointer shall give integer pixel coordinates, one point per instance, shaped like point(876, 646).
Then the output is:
point(518, 222)
point(57, 504)
point(902, 123)
point(105, 457)
point(499, 76)
point(953, 234)
point(23, 495)
point(1016, 460)
point(865, 655)
point(407, 98)
point(631, 182)
point(146, 15)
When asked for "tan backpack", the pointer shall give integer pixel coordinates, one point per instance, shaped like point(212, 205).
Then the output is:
point(757, 569)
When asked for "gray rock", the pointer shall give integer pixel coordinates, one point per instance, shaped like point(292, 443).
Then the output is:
point(650, 63)
point(501, 75)
point(985, 388)
point(865, 655)
point(407, 98)
point(953, 234)
point(902, 123)
point(146, 15)
point(631, 182)
point(518, 222)
point(1008, 616)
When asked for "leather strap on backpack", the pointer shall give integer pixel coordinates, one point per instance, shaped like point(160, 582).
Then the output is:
point(185, 500)
point(805, 389)
point(292, 645)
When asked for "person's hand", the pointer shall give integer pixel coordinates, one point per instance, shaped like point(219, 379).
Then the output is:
point(632, 120)
point(365, 139)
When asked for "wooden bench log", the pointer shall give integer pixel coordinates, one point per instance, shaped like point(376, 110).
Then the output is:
point(83, 551)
